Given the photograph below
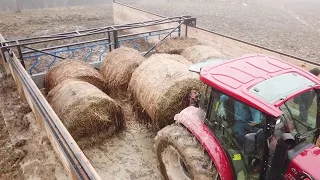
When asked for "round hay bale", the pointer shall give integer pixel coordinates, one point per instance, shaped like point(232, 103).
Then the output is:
point(175, 57)
point(200, 53)
point(175, 45)
point(73, 69)
point(161, 88)
point(118, 66)
point(89, 114)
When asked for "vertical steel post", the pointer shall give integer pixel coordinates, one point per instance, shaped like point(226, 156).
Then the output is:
point(115, 38)
point(186, 33)
point(20, 55)
point(2, 52)
point(109, 41)
point(179, 29)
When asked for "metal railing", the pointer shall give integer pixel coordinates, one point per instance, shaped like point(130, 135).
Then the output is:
point(38, 54)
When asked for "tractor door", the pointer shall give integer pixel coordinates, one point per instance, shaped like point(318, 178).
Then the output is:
point(301, 119)
point(300, 115)
point(220, 119)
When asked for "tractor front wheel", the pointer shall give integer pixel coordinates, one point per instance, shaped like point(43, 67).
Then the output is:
point(181, 156)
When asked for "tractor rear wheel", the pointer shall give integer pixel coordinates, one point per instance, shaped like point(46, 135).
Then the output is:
point(181, 156)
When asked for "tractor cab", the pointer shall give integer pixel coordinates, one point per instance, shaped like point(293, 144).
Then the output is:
point(264, 113)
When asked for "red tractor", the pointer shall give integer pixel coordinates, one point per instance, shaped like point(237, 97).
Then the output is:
point(257, 118)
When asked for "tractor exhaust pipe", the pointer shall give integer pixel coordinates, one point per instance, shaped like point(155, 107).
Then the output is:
point(280, 156)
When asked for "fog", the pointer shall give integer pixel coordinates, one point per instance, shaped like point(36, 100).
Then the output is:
point(10, 5)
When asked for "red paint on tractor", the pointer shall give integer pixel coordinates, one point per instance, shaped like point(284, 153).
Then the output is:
point(191, 118)
point(235, 78)
point(307, 161)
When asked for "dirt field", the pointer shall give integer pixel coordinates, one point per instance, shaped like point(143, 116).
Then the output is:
point(288, 26)
point(125, 156)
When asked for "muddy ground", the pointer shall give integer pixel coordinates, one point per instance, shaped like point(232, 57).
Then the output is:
point(27, 153)
point(127, 155)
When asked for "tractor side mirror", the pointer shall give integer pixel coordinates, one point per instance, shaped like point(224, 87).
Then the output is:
point(251, 142)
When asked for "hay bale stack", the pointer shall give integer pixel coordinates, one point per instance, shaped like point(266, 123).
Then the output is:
point(118, 66)
point(175, 57)
point(161, 88)
point(200, 53)
point(175, 45)
point(89, 114)
point(73, 69)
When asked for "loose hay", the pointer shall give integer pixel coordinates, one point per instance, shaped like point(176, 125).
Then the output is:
point(118, 66)
point(176, 45)
point(89, 114)
point(161, 88)
point(175, 57)
point(73, 69)
point(200, 53)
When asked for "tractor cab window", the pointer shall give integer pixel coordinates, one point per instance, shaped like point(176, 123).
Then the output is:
point(300, 114)
point(205, 97)
point(231, 120)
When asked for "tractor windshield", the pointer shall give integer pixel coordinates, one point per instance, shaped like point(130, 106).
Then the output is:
point(300, 114)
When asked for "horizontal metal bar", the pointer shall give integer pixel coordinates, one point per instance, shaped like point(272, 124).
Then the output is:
point(128, 39)
point(69, 49)
point(43, 52)
point(135, 34)
point(56, 35)
point(141, 26)
point(67, 45)
point(54, 39)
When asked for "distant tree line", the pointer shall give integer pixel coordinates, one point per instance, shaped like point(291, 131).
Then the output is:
point(18, 5)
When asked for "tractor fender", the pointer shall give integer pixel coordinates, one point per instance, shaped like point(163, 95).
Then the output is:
point(191, 117)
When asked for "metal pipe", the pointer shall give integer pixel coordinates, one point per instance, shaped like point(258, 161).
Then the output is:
point(135, 34)
point(179, 30)
point(186, 33)
point(54, 39)
point(21, 57)
point(162, 39)
point(116, 40)
point(109, 42)
point(54, 35)
point(44, 52)
point(67, 45)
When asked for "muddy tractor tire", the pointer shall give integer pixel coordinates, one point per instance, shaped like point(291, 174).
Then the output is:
point(181, 156)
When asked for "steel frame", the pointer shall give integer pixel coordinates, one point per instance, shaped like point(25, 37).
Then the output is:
point(111, 41)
